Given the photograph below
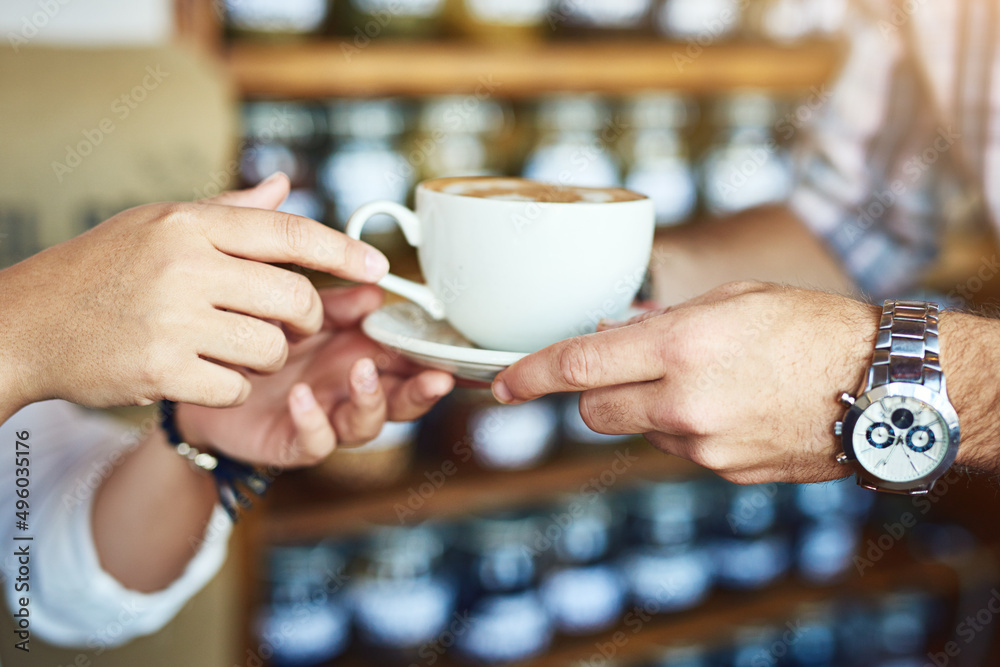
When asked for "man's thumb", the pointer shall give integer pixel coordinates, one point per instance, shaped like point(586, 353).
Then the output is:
point(268, 194)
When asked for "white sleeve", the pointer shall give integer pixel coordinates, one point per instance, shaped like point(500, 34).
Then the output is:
point(71, 600)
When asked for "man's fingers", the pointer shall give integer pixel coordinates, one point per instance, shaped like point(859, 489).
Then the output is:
point(412, 397)
point(360, 419)
point(314, 436)
point(268, 194)
point(723, 292)
point(345, 307)
point(270, 236)
point(626, 409)
point(618, 356)
point(605, 325)
point(674, 445)
point(245, 341)
point(267, 292)
point(712, 296)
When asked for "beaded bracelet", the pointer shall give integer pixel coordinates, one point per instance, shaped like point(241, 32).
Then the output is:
point(228, 473)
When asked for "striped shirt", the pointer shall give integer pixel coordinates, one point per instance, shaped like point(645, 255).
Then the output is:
point(908, 139)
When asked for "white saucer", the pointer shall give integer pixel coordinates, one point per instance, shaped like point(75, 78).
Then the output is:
point(408, 329)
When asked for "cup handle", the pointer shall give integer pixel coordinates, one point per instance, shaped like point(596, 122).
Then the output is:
point(410, 224)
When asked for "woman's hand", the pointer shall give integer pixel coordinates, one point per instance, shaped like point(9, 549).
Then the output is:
point(337, 388)
point(161, 301)
point(743, 380)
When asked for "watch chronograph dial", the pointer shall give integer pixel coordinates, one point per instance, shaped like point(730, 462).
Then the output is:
point(900, 439)
point(880, 435)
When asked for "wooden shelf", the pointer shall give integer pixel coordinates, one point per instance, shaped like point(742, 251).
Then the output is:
point(303, 506)
point(334, 69)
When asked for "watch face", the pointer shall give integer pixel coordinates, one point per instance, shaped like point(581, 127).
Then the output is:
point(900, 439)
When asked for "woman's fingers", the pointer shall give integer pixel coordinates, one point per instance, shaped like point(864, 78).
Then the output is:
point(375, 400)
point(269, 194)
point(271, 236)
point(412, 397)
point(314, 436)
point(345, 307)
point(266, 292)
point(244, 341)
point(360, 418)
point(206, 383)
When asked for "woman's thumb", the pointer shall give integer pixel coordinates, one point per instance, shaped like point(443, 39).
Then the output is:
point(268, 194)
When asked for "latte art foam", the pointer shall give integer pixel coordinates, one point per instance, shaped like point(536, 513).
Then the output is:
point(522, 189)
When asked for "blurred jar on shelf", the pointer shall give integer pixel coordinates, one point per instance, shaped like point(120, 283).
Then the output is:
point(795, 21)
point(745, 166)
point(833, 518)
point(602, 18)
point(815, 639)
point(828, 17)
point(905, 624)
point(500, 21)
point(507, 620)
point(402, 593)
point(284, 136)
point(583, 592)
point(378, 463)
point(507, 437)
point(276, 19)
point(366, 20)
point(825, 549)
point(576, 134)
point(366, 164)
point(502, 552)
point(752, 548)
point(657, 156)
point(842, 497)
point(857, 630)
point(700, 20)
point(458, 136)
point(666, 564)
point(306, 620)
point(755, 644)
point(695, 655)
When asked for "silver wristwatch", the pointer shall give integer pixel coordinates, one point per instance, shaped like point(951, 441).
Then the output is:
point(901, 433)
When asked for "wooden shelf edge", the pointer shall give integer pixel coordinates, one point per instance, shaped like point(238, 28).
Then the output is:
point(414, 501)
point(335, 69)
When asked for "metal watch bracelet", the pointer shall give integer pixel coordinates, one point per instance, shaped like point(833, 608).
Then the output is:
point(907, 348)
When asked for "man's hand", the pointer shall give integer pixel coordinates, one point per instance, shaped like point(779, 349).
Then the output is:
point(742, 380)
point(161, 301)
point(337, 388)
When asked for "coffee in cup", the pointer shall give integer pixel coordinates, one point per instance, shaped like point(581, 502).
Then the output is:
point(522, 189)
point(517, 265)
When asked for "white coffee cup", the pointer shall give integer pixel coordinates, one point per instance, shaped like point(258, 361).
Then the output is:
point(515, 274)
